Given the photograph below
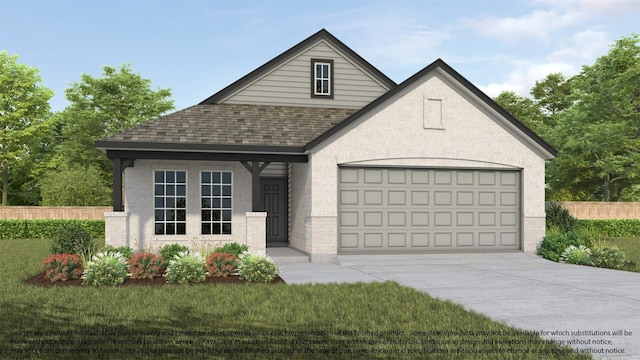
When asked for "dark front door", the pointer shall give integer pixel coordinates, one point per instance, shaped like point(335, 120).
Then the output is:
point(273, 195)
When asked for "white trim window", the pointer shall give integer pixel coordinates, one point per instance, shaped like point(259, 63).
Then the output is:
point(216, 189)
point(322, 75)
point(170, 202)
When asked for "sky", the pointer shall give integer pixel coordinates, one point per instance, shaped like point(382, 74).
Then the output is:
point(197, 47)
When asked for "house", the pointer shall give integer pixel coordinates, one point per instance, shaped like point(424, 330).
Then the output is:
point(320, 151)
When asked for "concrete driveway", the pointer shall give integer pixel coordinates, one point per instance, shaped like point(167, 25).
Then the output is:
point(598, 308)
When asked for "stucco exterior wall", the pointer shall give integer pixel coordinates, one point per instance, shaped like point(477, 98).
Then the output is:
point(138, 202)
point(299, 210)
point(398, 134)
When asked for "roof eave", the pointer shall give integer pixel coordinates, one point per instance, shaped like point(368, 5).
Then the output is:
point(106, 145)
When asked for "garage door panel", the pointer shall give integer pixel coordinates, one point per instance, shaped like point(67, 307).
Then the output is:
point(424, 210)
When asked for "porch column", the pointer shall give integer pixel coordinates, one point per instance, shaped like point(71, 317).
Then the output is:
point(257, 232)
point(117, 185)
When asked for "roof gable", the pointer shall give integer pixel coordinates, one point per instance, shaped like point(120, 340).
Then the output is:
point(516, 128)
point(286, 78)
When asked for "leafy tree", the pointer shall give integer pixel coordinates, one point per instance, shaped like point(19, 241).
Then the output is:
point(103, 106)
point(77, 186)
point(524, 109)
point(599, 137)
point(553, 94)
point(24, 107)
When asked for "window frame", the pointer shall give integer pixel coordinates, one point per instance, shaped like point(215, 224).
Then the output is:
point(225, 212)
point(175, 208)
point(315, 78)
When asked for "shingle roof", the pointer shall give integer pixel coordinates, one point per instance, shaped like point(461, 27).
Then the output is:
point(233, 124)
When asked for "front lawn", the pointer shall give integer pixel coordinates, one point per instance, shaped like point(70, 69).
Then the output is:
point(631, 248)
point(379, 320)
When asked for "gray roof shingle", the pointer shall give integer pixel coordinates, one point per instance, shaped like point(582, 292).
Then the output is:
point(234, 124)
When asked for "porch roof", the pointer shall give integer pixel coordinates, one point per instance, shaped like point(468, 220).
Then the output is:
point(230, 128)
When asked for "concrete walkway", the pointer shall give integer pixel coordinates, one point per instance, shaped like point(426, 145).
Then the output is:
point(586, 304)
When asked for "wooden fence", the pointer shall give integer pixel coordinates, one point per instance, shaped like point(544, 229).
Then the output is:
point(54, 212)
point(587, 210)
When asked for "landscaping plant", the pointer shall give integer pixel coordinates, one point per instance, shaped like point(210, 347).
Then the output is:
point(232, 248)
point(124, 250)
point(105, 268)
point(579, 255)
point(186, 267)
point(257, 268)
point(559, 218)
point(145, 265)
point(221, 264)
point(555, 243)
point(168, 252)
point(73, 239)
point(610, 257)
point(62, 267)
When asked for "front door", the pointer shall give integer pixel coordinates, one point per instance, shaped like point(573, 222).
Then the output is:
point(273, 195)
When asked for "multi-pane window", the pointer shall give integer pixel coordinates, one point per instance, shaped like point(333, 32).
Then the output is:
point(170, 202)
point(216, 190)
point(322, 78)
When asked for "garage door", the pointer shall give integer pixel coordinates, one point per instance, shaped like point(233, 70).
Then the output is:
point(383, 210)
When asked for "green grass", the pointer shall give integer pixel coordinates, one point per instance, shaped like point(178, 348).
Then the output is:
point(309, 321)
point(631, 249)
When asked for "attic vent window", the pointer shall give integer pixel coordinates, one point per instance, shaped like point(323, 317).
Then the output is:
point(322, 75)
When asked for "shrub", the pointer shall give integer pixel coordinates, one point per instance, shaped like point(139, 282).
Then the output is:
point(62, 267)
point(73, 239)
point(257, 268)
point(232, 248)
point(105, 268)
point(554, 243)
point(145, 265)
point(559, 218)
point(124, 250)
point(45, 229)
point(168, 252)
point(610, 257)
point(612, 228)
point(576, 255)
point(221, 264)
point(186, 268)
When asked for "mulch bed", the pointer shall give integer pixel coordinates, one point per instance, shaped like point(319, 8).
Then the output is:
point(40, 280)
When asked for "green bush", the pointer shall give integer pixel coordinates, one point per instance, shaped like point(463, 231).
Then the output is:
point(168, 252)
point(257, 268)
point(73, 239)
point(186, 268)
point(145, 265)
point(579, 255)
point(45, 229)
point(610, 257)
point(559, 218)
point(124, 250)
point(232, 248)
point(554, 244)
point(612, 228)
point(221, 264)
point(105, 268)
point(62, 267)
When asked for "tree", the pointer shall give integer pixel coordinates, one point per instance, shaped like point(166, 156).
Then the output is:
point(24, 107)
point(77, 186)
point(599, 137)
point(103, 106)
point(524, 109)
point(553, 94)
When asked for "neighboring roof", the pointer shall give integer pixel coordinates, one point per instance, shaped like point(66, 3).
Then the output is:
point(285, 56)
point(439, 63)
point(231, 127)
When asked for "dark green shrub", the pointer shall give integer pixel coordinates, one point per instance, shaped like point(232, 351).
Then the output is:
point(559, 218)
point(123, 250)
point(45, 229)
point(610, 257)
point(168, 252)
point(73, 239)
point(612, 228)
point(555, 243)
point(232, 248)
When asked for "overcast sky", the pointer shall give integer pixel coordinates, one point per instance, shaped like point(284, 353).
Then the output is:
point(196, 48)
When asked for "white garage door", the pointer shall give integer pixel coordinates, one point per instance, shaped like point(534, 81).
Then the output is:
point(383, 210)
